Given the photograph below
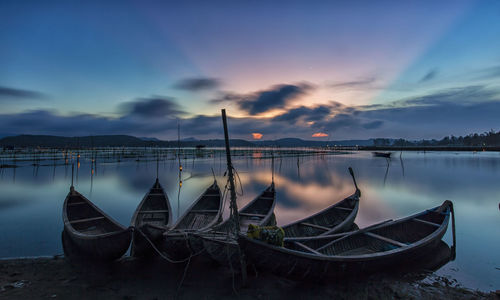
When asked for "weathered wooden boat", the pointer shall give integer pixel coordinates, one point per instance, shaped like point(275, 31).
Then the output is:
point(338, 217)
point(95, 234)
point(152, 217)
point(202, 215)
point(382, 154)
point(218, 242)
point(378, 247)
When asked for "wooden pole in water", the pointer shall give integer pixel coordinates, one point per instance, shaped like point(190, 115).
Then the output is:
point(233, 206)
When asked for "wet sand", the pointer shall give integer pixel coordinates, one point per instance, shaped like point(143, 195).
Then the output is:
point(58, 278)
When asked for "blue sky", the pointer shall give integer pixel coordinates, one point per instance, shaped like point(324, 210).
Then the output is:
point(347, 69)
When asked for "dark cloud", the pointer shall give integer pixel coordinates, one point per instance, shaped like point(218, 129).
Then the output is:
point(259, 102)
point(304, 113)
point(356, 84)
point(373, 125)
point(7, 93)
point(157, 107)
point(429, 75)
point(453, 111)
point(197, 84)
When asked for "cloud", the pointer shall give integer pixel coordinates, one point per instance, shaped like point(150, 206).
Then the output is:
point(455, 111)
point(259, 102)
point(157, 107)
point(355, 84)
point(197, 84)
point(431, 74)
point(7, 93)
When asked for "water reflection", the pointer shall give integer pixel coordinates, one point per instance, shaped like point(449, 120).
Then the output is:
point(31, 196)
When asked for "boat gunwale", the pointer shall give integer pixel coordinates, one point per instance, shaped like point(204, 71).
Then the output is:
point(349, 218)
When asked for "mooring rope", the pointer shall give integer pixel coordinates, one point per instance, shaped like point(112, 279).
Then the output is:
point(163, 255)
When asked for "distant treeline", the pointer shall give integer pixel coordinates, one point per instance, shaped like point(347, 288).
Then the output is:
point(486, 139)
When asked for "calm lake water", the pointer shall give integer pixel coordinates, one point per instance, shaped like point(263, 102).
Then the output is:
point(31, 198)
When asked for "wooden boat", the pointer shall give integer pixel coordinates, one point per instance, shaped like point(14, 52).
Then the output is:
point(376, 248)
point(382, 154)
point(95, 234)
point(338, 217)
point(218, 242)
point(202, 215)
point(152, 214)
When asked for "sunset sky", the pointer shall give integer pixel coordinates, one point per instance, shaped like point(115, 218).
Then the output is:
point(310, 69)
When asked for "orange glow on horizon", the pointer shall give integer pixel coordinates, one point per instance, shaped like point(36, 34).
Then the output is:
point(256, 135)
point(320, 134)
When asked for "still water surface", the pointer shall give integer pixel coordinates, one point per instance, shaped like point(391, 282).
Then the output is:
point(31, 198)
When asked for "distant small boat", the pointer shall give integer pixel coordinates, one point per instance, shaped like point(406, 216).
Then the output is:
point(382, 154)
point(376, 248)
point(95, 234)
point(152, 214)
point(203, 214)
point(338, 217)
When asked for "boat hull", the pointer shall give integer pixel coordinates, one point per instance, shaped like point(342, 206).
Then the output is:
point(105, 247)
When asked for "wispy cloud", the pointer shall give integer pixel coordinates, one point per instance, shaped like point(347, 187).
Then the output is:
point(197, 84)
point(431, 74)
point(366, 83)
point(7, 93)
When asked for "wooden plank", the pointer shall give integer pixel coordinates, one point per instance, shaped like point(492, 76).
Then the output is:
point(251, 215)
point(383, 238)
point(205, 210)
point(315, 226)
point(343, 208)
point(426, 222)
point(153, 211)
point(308, 248)
point(86, 220)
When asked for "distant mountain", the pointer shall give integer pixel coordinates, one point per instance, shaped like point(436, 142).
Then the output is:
point(189, 139)
point(150, 139)
point(131, 141)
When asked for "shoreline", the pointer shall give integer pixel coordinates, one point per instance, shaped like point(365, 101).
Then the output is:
point(128, 278)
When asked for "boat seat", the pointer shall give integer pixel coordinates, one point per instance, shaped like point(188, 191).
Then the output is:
point(315, 226)
point(156, 194)
point(343, 208)
point(153, 211)
point(251, 215)
point(86, 220)
point(383, 238)
point(205, 210)
point(426, 222)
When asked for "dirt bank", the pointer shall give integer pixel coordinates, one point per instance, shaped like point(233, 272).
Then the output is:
point(57, 278)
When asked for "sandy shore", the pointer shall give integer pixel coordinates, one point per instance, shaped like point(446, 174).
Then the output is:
point(57, 278)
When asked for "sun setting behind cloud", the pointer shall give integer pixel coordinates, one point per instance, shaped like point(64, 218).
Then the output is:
point(256, 136)
point(320, 134)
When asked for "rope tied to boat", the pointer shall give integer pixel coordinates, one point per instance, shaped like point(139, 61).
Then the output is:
point(164, 256)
